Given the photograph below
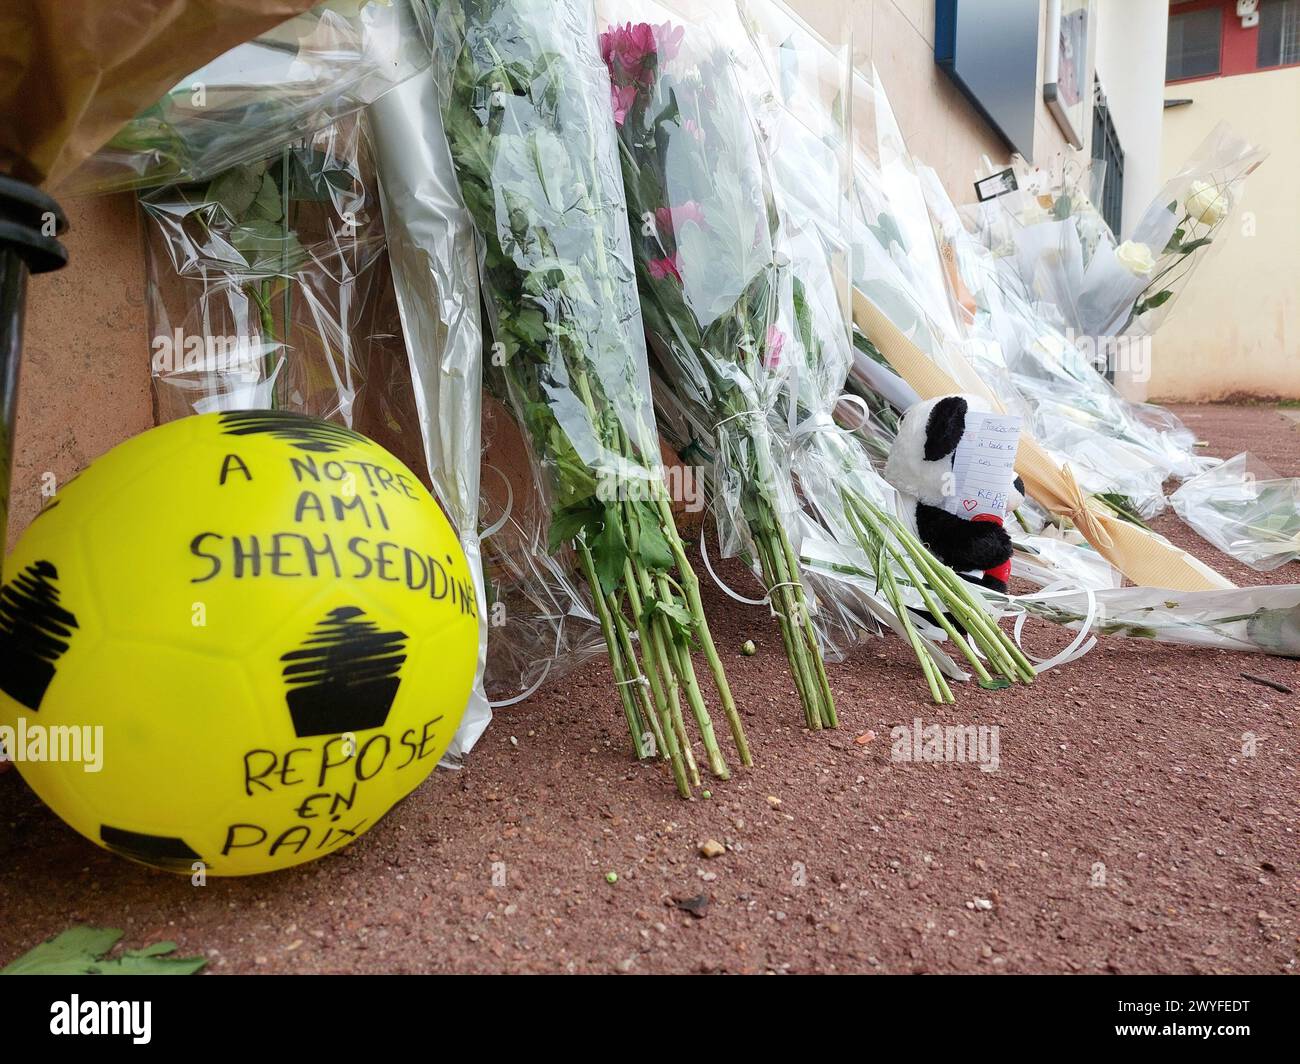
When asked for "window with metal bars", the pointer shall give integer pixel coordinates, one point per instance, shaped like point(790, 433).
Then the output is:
point(1107, 148)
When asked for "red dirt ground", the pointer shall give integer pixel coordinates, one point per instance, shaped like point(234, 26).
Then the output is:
point(1123, 832)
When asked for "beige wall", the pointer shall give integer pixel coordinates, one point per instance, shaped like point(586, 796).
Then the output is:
point(1236, 327)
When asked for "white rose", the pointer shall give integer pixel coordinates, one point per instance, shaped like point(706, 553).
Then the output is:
point(1135, 257)
point(1207, 204)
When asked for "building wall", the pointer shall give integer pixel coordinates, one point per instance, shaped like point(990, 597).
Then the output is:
point(1236, 328)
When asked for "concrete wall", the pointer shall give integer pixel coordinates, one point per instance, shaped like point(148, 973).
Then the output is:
point(1236, 328)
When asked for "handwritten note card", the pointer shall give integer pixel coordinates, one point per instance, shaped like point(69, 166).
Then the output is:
point(984, 465)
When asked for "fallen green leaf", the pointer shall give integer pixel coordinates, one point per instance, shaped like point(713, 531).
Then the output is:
point(83, 951)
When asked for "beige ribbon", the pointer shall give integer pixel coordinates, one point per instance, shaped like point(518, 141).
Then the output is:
point(1143, 556)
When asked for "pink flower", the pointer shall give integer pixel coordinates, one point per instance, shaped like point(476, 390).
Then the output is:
point(775, 344)
point(621, 98)
point(627, 48)
point(668, 41)
point(633, 51)
point(673, 218)
point(665, 267)
point(692, 127)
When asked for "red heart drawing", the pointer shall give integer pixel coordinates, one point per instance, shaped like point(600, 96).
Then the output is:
point(970, 504)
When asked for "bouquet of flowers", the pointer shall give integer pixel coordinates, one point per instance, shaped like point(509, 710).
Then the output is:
point(267, 286)
point(1047, 226)
point(712, 282)
point(527, 118)
point(741, 306)
point(1052, 237)
point(1116, 451)
point(1190, 214)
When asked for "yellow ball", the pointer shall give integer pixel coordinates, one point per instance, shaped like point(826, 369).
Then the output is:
point(234, 642)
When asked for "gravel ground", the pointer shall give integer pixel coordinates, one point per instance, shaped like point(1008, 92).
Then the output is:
point(1122, 832)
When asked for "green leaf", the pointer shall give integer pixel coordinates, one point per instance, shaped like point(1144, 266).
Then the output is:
point(529, 324)
point(152, 961)
point(266, 206)
point(652, 545)
point(1188, 248)
point(1175, 241)
point(264, 245)
point(574, 480)
point(670, 112)
point(609, 552)
point(235, 189)
point(566, 524)
point(681, 622)
point(1062, 207)
point(1157, 300)
point(82, 950)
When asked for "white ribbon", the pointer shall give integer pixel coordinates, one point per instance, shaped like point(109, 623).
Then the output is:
point(704, 556)
point(820, 419)
point(1082, 643)
point(500, 522)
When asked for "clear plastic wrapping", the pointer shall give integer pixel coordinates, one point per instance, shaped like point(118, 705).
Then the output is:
point(541, 616)
point(268, 286)
point(430, 246)
point(307, 73)
point(1246, 510)
point(528, 120)
point(719, 291)
point(1264, 620)
point(1049, 233)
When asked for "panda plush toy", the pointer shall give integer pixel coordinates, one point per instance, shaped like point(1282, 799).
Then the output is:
point(920, 467)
